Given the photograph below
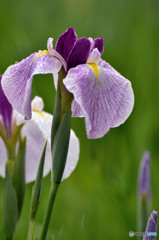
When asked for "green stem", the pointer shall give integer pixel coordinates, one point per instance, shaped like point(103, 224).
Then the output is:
point(47, 217)
point(31, 231)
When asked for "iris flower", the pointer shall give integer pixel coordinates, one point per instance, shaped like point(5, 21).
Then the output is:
point(37, 130)
point(101, 95)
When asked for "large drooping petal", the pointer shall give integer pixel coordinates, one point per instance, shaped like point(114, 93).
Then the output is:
point(3, 157)
point(5, 110)
point(66, 42)
point(17, 79)
point(38, 130)
point(105, 97)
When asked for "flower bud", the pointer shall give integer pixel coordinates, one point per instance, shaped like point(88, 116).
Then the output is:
point(144, 177)
point(151, 227)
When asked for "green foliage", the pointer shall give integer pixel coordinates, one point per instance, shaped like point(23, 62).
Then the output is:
point(10, 210)
point(60, 148)
point(38, 186)
point(19, 174)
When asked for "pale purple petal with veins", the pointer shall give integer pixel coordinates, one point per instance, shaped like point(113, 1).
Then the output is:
point(144, 177)
point(17, 79)
point(5, 110)
point(151, 226)
point(106, 100)
point(66, 42)
point(76, 109)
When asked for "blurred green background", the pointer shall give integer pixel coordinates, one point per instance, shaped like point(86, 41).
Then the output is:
point(98, 201)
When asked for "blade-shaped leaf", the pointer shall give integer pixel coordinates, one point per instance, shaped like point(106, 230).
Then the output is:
point(38, 186)
point(60, 148)
point(10, 210)
point(19, 174)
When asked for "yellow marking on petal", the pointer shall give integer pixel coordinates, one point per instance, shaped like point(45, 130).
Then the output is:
point(41, 114)
point(41, 53)
point(95, 68)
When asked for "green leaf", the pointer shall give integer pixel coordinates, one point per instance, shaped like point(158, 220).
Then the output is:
point(60, 148)
point(19, 174)
point(38, 186)
point(10, 210)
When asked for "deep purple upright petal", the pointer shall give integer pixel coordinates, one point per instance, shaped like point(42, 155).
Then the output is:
point(144, 177)
point(66, 42)
point(151, 226)
point(99, 44)
point(5, 110)
point(79, 53)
